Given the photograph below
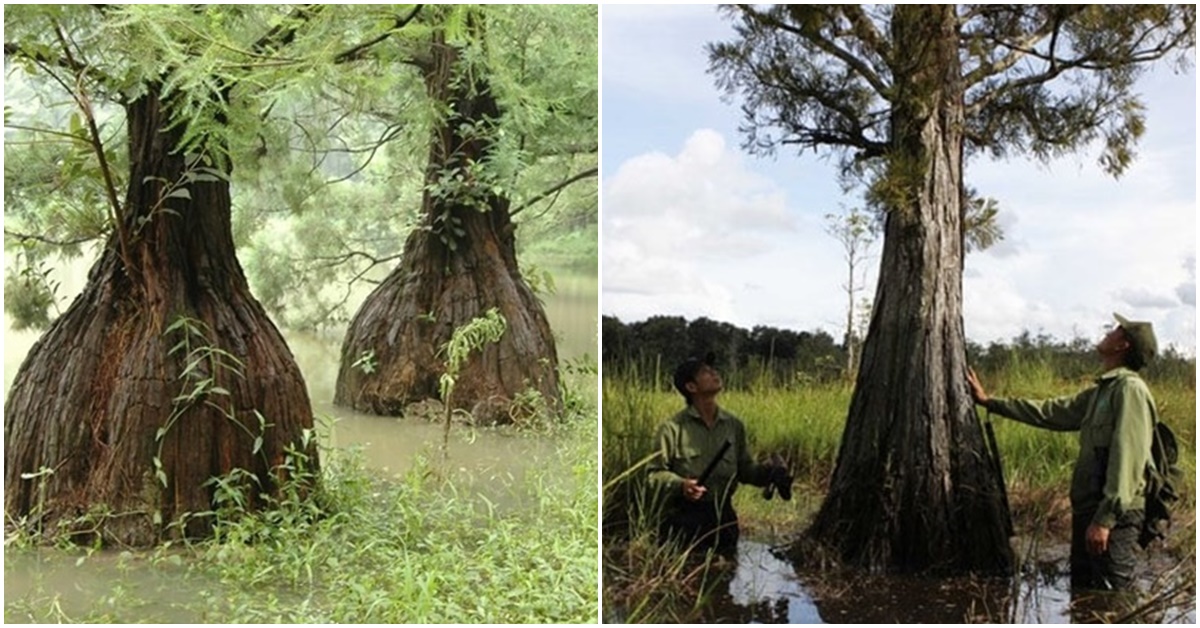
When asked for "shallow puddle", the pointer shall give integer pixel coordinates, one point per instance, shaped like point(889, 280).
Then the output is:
point(763, 588)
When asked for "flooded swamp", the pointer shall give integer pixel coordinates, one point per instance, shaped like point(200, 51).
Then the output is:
point(763, 586)
point(503, 482)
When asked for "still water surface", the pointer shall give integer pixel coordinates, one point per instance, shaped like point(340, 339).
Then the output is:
point(763, 587)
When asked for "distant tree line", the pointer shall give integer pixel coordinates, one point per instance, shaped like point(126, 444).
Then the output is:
point(661, 342)
point(651, 349)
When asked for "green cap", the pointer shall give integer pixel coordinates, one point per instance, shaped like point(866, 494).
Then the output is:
point(1141, 337)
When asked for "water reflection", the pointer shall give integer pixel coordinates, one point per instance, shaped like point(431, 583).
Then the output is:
point(765, 588)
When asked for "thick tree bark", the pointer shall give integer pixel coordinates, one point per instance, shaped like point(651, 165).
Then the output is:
point(912, 489)
point(93, 394)
point(457, 265)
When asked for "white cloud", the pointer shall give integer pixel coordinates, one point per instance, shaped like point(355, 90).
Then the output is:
point(1078, 243)
point(699, 234)
point(1186, 291)
point(701, 202)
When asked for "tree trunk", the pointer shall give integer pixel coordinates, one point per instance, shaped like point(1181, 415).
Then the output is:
point(913, 490)
point(96, 400)
point(459, 263)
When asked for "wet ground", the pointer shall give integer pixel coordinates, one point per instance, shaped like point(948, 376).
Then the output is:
point(763, 588)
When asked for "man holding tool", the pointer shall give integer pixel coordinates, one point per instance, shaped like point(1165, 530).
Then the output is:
point(1115, 419)
point(703, 457)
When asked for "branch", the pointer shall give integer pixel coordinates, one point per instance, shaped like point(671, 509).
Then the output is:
point(341, 259)
point(98, 147)
point(1017, 51)
point(389, 134)
point(46, 131)
point(1094, 59)
point(44, 240)
point(562, 184)
point(851, 130)
point(830, 48)
point(14, 50)
point(356, 52)
point(866, 31)
point(281, 35)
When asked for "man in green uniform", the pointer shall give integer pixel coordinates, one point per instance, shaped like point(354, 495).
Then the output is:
point(688, 443)
point(1115, 419)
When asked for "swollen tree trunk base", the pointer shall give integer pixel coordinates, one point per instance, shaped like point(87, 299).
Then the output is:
point(460, 263)
point(98, 440)
point(163, 374)
point(392, 355)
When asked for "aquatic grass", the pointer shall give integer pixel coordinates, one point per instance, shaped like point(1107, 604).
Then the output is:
point(434, 556)
point(414, 548)
point(645, 580)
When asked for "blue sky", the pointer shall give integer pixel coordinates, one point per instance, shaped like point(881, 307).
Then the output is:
point(693, 226)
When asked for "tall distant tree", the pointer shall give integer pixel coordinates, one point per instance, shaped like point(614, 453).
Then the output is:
point(478, 65)
point(901, 93)
point(856, 231)
point(165, 371)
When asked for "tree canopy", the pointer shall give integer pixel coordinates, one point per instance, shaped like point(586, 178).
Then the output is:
point(321, 108)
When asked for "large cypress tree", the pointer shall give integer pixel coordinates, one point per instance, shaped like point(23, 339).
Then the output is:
point(903, 95)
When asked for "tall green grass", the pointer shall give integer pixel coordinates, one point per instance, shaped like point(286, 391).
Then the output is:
point(803, 422)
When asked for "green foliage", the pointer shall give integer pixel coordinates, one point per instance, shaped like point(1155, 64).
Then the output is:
point(981, 229)
point(540, 281)
point(580, 398)
point(197, 169)
point(366, 362)
point(475, 335)
point(1038, 80)
point(363, 144)
point(206, 368)
point(30, 290)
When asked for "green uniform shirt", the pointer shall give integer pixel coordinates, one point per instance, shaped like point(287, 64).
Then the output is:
point(1115, 419)
point(686, 445)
